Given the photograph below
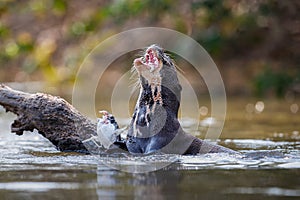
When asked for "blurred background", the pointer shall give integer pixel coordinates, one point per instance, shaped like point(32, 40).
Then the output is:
point(256, 47)
point(255, 44)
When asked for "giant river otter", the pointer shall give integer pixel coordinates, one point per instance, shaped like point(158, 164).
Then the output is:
point(154, 125)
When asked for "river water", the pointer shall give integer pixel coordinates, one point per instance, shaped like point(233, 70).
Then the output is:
point(268, 167)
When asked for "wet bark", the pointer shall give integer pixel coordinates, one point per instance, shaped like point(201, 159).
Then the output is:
point(51, 116)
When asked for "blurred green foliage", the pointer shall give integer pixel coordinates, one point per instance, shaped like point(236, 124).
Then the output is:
point(276, 82)
point(48, 39)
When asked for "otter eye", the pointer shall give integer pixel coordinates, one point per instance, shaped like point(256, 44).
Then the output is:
point(164, 61)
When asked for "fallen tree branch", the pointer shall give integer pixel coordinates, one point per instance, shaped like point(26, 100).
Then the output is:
point(52, 116)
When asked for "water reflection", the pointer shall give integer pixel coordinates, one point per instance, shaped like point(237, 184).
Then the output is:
point(172, 183)
point(268, 168)
point(270, 191)
point(157, 185)
point(39, 186)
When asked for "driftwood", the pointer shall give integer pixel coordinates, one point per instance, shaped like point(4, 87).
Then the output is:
point(52, 116)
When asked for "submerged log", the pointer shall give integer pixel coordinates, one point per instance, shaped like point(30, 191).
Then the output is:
point(53, 117)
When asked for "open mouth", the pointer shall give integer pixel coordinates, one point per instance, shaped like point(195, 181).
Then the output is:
point(149, 60)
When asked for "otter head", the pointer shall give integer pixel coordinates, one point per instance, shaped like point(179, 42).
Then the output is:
point(158, 78)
